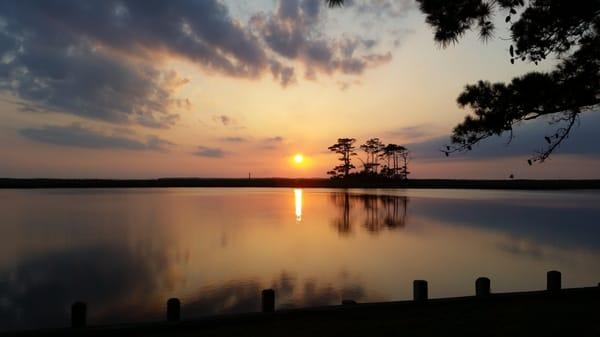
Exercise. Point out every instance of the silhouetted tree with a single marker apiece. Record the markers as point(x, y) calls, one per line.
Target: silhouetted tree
point(397, 161)
point(345, 148)
point(372, 148)
point(397, 157)
point(404, 156)
point(568, 29)
point(388, 154)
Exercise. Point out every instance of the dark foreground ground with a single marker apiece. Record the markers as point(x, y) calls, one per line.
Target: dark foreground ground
point(305, 183)
point(571, 312)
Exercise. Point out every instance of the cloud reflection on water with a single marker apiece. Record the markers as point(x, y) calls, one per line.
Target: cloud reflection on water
point(125, 251)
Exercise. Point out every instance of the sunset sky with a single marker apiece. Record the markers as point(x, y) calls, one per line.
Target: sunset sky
point(138, 89)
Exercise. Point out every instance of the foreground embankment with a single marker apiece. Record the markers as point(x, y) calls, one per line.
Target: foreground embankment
point(551, 312)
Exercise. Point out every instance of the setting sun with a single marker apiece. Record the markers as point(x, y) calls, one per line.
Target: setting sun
point(248, 157)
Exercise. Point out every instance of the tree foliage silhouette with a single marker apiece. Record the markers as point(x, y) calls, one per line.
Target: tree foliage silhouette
point(570, 30)
point(345, 148)
point(397, 161)
point(395, 155)
point(372, 148)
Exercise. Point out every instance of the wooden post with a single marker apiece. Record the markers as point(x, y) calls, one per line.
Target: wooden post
point(553, 280)
point(420, 290)
point(173, 310)
point(482, 287)
point(268, 300)
point(78, 315)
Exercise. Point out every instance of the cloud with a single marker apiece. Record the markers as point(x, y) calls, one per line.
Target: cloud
point(276, 139)
point(244, 295)
point(24, 106)
point(224, 119)
point(272, 143)
point(234, 139)
point(528, 138)
point(293, 33)
point(105, 59)
point(76, 135)
point(284, 74)
point(382, 8)
point(209, 152)
point(64, 72)
point(415, 131)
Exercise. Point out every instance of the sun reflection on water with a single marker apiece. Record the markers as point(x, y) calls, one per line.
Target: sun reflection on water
point(298, 202)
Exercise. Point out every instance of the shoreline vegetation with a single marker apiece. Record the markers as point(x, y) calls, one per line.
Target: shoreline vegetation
point(359, 182)
point(394, 166)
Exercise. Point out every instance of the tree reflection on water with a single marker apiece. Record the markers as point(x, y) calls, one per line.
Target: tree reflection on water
point(374, 212)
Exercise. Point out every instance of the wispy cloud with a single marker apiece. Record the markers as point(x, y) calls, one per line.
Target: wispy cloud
point(272, 142)
point(276, 139)
point(382, 8)
point(224, 120)
point(76, 135)
point(412, 132)
point(209, 152)
point(234, 139)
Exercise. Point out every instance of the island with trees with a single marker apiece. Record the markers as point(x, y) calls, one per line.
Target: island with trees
point(382, 162)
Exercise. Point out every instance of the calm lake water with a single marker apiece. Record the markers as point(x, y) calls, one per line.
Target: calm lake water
point(126, 251)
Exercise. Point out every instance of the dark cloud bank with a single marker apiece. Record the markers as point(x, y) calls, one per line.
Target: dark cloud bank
point(101, 59)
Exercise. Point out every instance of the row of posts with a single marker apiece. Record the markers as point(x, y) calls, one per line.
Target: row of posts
point(420, 294)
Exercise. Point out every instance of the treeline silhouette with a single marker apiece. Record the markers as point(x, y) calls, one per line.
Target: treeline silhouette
point(382, 161)
point(375, 212)
point(513, 184)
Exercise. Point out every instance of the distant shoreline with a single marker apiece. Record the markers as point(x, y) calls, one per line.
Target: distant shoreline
point(10, 183)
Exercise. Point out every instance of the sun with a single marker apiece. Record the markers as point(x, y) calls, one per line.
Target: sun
point(298, 158)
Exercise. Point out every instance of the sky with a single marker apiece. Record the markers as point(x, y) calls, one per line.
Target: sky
point(209, 88)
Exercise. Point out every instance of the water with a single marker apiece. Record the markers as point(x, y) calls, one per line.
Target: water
point(126, 251)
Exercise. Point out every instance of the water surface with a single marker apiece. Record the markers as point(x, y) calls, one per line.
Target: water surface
point(126, 251)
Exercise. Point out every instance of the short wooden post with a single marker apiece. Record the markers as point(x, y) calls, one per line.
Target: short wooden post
point(78, 315)
point(482, 287)
point(553, 280)
point(420, 290)
point(173, 310)
point(268, 300)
